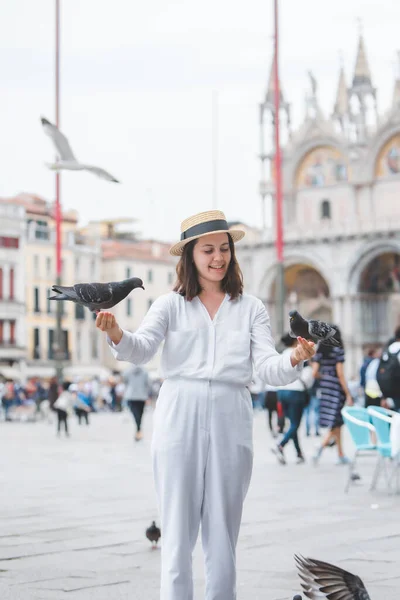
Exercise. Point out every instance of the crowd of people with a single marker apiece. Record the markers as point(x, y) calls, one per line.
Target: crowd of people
point(322, 390)
point(40, 398)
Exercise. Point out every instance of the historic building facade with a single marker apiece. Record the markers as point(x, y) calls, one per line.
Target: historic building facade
point(341, 188)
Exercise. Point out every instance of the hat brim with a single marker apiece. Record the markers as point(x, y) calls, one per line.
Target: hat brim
point(177, 249)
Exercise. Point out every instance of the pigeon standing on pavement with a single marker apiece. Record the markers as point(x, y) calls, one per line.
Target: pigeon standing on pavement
point(315, 331)
point(97, 296)
point(153, 533)
point(323, 580)
point(66, 158)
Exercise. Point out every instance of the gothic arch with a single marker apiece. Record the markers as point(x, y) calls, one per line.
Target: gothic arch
point(377, 145)
point(364, 257)
point(316, 263)
point(306, 148)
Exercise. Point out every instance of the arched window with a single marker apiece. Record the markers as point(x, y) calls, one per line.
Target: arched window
point(325, 209)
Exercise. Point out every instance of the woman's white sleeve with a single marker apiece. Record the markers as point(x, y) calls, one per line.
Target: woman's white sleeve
point(273, 368)
point(141, 346)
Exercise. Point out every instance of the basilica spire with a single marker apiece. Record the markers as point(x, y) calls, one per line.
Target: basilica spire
point(341, 108)
point(360, 94)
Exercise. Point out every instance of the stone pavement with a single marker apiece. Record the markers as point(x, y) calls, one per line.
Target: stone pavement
point(73, 514)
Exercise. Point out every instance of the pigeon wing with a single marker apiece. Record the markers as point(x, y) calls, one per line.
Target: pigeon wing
point(320, 330)
point(59, 140)
point(101, 173)
point(323, 580)
point(93, 293)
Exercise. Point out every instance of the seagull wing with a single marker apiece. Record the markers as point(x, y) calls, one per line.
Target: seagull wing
point(93, 293)
point(323, 580)
point(101, 173)
point(59, 140)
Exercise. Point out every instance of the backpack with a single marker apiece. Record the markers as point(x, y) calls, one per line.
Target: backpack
point(388, 374)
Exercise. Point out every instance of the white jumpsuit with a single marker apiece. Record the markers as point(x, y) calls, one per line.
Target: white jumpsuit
point(202, 440)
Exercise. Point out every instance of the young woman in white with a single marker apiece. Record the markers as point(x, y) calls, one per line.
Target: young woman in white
point(202, 440)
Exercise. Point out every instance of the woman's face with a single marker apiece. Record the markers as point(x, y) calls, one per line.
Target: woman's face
point(212, 256)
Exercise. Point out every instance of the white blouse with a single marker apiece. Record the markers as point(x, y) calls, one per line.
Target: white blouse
point(224, 349)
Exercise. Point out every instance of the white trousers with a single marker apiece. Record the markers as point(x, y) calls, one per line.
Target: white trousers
point(202, 461)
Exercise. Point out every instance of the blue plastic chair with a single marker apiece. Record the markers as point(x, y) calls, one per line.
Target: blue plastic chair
point(381, 419)
point(358, 422)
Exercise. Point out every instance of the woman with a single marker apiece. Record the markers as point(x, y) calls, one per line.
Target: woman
point(293, 398)
point(333, 392)
point(202, 439)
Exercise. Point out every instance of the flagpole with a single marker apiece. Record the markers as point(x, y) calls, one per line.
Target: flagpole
point(280, 282)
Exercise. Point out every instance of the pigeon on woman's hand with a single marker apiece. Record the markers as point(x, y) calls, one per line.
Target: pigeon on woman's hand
point(97, 296)
point(323, 580)
point(316, 331)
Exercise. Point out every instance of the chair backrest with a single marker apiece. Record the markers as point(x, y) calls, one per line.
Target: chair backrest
point(381, 421)
point(358, 423)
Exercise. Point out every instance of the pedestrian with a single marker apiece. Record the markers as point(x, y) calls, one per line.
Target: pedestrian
point(328, 368)
point(293, 398)
point(137, 391)
point(63, 407)
point(202, 448)
point(271, 405)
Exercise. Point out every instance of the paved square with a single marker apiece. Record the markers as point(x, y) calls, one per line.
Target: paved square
point(73, 514)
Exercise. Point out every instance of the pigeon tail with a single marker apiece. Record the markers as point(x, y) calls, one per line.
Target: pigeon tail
point(58, 297)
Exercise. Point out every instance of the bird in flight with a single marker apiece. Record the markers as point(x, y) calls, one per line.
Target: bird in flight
point(323, 580)
point(66, 159)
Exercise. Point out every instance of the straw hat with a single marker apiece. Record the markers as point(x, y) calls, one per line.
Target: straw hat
point(204, 223)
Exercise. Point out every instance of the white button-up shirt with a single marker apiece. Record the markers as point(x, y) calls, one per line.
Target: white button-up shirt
point(222, 349)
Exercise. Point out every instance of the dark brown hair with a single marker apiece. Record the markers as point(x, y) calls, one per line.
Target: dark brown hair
point(188, 285)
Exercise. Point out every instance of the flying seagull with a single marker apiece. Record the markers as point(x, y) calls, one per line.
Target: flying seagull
point(66, 158)
point(323, 580)
point(97, 296)
point(315, 331)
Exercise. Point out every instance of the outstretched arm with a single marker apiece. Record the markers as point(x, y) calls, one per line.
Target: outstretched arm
point(138, 347)
point(274, 368)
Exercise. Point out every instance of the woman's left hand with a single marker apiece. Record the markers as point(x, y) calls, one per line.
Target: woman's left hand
point(303, 351)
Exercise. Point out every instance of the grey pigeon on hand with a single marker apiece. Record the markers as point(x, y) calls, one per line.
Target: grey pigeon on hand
point(315, 331)
point(97, 296)
point(66, 159)
point(323, 580)
point(153, 533)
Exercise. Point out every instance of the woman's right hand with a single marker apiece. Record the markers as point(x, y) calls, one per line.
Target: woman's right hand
point(106, 321)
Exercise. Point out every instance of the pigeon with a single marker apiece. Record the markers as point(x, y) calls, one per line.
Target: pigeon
point(153, 533)
point(66, 159)
point(97, 296)
point(297, 597)
point(316, 331)
point(322, 580)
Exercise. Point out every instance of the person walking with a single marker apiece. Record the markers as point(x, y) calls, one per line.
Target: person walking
point(202, 448)
point(63, 407)
point(328, 368)
point(136, 392)
point(294, 399)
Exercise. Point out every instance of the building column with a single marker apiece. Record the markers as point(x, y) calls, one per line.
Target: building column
point(6, 281)
point(6, 331)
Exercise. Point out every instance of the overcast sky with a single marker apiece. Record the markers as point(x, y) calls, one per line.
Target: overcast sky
point(137, 81)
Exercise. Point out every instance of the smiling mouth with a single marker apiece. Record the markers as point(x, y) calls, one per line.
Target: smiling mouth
point(219, 268)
